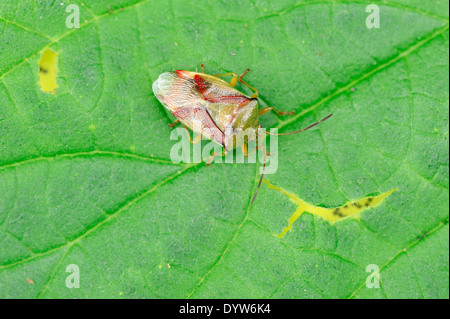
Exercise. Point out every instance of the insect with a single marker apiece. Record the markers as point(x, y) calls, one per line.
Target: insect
point(215, 109)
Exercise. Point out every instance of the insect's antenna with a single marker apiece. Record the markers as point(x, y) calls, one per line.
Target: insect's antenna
point(303, 129)
point(262, 174)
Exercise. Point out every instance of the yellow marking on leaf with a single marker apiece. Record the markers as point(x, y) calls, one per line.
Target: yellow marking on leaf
point(331, 214)
point(48, 71)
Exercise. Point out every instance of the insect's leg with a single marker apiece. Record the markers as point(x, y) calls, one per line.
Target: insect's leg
point(264, 150)
point(211, 158)
point(234, 78)
point(260, 147)
point(256, 93)
point(244, 150)
point(174, 123)
point(214, 154)
point(268, 109)
point(197, 139)
point(244, 73)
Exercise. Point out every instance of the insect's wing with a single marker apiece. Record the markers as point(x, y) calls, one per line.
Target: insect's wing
point(180, 94)
point(225, 103)
point(176, 93)
point(200, 121)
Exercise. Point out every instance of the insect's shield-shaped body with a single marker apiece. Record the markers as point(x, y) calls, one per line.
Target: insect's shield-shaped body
point(215, 109)
point(209, 106)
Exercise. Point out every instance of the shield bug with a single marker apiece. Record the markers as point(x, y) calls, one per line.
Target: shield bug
point(214, 108)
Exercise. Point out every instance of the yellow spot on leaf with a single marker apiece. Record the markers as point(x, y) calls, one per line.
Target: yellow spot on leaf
point(48, 71)
point(331, 214)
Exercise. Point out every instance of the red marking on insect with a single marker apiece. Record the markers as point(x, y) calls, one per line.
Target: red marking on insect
point(215, 109)
point(200, 113)
point(201, 83)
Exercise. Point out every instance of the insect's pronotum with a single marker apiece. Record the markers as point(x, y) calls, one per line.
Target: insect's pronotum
point(213, 108)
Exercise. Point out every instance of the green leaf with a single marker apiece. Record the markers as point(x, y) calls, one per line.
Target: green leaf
point(86, 176)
